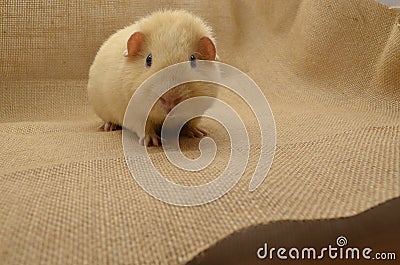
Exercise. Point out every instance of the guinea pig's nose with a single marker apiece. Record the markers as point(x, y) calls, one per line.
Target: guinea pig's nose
point(169, 102)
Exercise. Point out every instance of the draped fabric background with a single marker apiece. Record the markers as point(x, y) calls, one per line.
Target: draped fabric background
point(329, 69)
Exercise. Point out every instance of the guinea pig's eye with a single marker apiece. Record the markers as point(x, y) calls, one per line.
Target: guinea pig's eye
point(149, 60)
point(192, 60)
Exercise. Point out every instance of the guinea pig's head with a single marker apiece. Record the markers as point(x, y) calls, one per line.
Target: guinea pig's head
point(166, 38)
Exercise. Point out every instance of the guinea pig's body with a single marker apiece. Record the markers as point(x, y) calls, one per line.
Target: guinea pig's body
point(136, 52)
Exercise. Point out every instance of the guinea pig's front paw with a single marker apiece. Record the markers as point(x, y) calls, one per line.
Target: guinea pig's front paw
point(150, 139)
point(108, 127)
point(193, 131)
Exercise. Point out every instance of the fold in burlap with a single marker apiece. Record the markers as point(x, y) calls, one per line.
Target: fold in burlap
point(329, 69)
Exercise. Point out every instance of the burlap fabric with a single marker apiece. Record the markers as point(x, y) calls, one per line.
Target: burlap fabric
point(329, 69)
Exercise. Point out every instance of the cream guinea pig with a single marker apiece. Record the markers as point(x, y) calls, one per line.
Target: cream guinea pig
point(134, 53)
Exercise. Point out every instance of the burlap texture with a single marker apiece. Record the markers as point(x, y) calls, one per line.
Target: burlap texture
point(329, 69)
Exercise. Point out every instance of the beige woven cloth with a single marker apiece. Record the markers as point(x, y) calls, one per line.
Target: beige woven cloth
point(329, 69)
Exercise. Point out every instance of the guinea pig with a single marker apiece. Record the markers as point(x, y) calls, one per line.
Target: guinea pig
point(134, 53)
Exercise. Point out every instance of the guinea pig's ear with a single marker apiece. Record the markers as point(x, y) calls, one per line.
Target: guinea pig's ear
point(134, 44)
point(207, 49)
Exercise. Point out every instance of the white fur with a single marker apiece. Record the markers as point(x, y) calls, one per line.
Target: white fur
point(171, 37)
